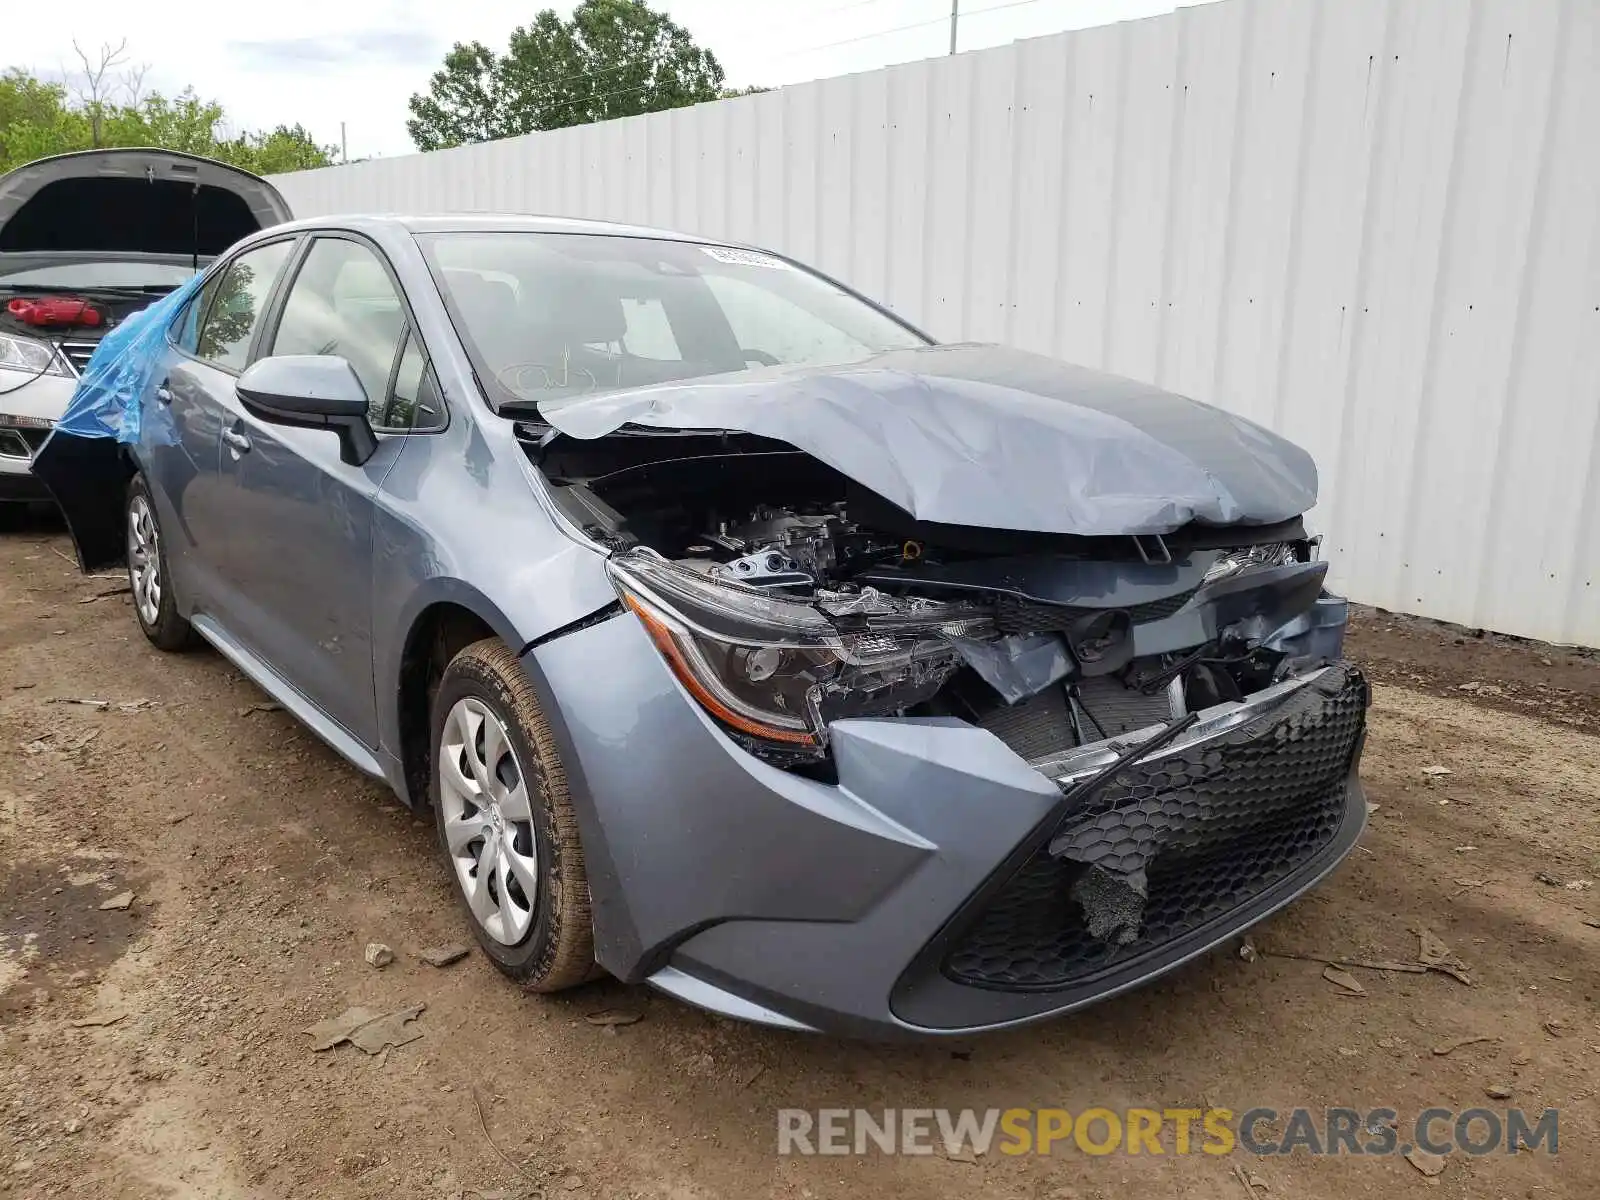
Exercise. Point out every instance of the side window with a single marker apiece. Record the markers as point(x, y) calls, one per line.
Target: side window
point(232, 304)
point(414, 405)
point(342, 302)
point(184, 332)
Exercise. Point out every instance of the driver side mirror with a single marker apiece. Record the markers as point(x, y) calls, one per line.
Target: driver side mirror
point(312, 391)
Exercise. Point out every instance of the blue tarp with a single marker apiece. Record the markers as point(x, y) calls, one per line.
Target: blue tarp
point(110, 399)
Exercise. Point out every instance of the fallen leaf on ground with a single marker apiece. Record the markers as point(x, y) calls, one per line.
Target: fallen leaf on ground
point(1449, 1047)
point(100, 1019)
point(117, 903)
point(1344, 980)
point(367, 1029)
point(613, 1017)
point(391, 1029)
point(325, 1035)
point(1437, 956)
point(97, 705)
point(1435, 771)
point(965, 1157)
point(1498, 1091)
point(1429, 1164)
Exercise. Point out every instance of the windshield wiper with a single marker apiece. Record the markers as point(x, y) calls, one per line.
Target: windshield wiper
point(147, 289)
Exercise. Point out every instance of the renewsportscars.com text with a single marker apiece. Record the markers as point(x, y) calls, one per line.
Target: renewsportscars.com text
point(1179, 1131)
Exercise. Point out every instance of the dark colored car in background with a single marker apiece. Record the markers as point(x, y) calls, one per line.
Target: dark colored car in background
point(742, 640)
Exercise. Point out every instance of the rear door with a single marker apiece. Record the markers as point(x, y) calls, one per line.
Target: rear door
point(211, 338)
point(306, 569)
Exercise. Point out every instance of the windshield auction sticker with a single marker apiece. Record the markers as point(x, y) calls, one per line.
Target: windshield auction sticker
point(745, 258)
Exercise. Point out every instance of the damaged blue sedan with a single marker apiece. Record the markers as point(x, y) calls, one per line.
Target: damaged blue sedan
point(742, 640)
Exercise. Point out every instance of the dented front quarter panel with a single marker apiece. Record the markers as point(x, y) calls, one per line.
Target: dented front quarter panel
point(461, 521)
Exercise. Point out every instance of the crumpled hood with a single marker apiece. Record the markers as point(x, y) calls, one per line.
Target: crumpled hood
point(993, 437)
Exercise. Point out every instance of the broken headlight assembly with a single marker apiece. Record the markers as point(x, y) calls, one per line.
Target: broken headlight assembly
point(776, 669)
point(1272, 554)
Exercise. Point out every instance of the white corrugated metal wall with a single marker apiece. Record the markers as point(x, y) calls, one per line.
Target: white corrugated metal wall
point(1373, 225)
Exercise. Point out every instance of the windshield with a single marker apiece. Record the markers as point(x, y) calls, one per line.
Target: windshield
point(555, 316)
point(119, 274)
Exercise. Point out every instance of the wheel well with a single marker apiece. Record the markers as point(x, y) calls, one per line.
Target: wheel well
point(440, 632)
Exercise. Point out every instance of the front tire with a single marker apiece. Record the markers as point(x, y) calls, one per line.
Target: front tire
point(506, 824)
point(153, 601)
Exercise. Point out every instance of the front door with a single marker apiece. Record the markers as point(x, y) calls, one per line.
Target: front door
point(306, 566)
point(192, 405)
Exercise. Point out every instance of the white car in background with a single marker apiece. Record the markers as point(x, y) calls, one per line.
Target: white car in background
point(86, 240)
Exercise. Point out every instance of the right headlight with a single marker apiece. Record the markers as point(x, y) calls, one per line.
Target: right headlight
point(777, 669)
point(1272, 554)
point(30, 355)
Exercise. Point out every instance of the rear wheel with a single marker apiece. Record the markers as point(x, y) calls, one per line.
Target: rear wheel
point(506, 825)
point(153, 601)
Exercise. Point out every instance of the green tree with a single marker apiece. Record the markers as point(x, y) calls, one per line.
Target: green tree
point(185, 123)
point(613, 58)
point(35, 120)
point(286, 148)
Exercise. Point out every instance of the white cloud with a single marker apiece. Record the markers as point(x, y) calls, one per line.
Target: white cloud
point(319, 63)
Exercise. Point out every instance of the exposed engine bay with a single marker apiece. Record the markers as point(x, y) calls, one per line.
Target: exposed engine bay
point(789, 596)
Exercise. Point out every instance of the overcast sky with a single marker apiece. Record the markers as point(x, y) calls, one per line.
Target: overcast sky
point(320, 62)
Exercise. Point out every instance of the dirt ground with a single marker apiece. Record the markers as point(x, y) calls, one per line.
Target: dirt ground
point(261, 866)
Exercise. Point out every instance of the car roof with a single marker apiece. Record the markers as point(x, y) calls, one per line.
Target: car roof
point(484, 223)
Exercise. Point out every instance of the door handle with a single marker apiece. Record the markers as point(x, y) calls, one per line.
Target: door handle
point(237, 442)
point(164, 394)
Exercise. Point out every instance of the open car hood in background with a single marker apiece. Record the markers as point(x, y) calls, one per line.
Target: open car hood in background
point(991, 437)
point(133, 201)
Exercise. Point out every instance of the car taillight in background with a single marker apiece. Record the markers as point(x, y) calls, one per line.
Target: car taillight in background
point(55, 312)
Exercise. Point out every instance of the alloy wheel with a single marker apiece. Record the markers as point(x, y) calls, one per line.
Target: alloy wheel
point(144, 560)
point(488, 821)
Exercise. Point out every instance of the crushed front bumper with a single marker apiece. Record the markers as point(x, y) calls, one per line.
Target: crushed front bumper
point(916, 895)
point(1254, 805)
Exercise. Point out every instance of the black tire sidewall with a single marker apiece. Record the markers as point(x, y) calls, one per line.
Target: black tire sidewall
point(469, 677)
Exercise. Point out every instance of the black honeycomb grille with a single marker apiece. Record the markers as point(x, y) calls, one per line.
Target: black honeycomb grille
point(1013, 615)
point(1213, 827)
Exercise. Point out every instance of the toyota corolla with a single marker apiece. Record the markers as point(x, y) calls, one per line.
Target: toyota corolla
point(741, 639)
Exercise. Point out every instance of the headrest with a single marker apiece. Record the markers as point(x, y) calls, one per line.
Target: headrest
point(480, 297)
point(585, 314)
